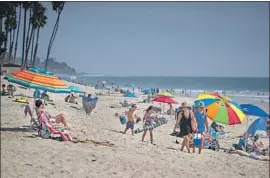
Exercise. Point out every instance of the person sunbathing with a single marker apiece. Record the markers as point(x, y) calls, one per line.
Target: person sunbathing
point(67, 98)
point(170, 110)
point(44, 95)
point(54, 121)
point(11, 89)
point(259, 146)
point(217, 127)
point(4, 91)
point(125, 104)
point(72, 99)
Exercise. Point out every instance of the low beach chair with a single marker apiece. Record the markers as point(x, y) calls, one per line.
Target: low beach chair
point(46, 131)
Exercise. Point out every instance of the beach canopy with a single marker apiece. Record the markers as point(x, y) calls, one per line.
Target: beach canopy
point(130, 95)
point(252, 110)
point(39, 81)
point(165, 94)
point(147, 91)
point(221, 109)
point(164, 99)
point(76, 89)
point(259, 124)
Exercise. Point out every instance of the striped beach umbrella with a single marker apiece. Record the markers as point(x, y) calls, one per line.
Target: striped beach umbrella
point(39, 81)
point(221, 109)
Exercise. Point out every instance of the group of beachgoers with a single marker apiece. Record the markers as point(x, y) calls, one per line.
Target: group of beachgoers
point(190, 122)
point(193, 124)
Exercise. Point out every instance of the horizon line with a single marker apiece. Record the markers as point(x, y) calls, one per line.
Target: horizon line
point(97, 75)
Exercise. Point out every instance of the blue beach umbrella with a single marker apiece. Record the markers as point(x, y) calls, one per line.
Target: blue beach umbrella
point(130, 95)
point(252, 110)
point(146, 91)
point(258, 125)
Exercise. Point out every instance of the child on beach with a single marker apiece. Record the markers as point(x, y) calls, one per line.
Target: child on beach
point(132, 118)
point(148, 122)
point(191, 143)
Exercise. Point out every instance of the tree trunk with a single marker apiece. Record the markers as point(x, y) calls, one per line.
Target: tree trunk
point(17, 35)
point(10, 43)
point(5, 46)
point(1, 26)
point(23, 45)
point(27, 39)
point(36, 49)
point(28, 47)
point(32, 48)
point(51, 39)
point(1, 56)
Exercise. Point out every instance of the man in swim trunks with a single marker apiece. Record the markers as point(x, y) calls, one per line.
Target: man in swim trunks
point(202, 122)
point(131, 117)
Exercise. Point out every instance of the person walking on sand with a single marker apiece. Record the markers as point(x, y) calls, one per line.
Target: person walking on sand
point(202, 122)
point(148, 122)
point(187, 125)
point(132, 118)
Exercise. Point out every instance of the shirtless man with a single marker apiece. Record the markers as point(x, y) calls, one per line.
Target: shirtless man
point(132, 117)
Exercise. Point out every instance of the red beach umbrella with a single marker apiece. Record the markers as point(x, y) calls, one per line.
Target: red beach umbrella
point(164, 99)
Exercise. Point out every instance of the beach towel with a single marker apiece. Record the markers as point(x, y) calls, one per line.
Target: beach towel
point(89, 105)
point(46, 130)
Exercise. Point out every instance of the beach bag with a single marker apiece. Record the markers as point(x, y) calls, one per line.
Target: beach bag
point(123, 120)
point(197, 139)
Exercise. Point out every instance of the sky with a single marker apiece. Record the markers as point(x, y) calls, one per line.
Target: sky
point(220, 39)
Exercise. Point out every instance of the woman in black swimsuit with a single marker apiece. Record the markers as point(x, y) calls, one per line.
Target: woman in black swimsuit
point(187, 125)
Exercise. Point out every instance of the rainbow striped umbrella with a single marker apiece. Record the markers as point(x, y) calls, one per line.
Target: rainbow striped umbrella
point(221, 109)
point(39, 81)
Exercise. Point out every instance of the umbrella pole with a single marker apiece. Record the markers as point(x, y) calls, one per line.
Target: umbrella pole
point(246, 141)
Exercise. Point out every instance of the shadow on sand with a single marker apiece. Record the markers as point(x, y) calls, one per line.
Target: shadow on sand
point(17, 129)
point(74, 107)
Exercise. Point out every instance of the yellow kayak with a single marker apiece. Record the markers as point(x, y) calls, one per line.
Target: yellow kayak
point(21, 100)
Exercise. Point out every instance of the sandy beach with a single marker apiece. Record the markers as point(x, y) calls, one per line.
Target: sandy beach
point(24, 154)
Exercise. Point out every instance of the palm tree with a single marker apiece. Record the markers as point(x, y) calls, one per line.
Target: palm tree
point(58, 6)
point(32, 47)
point(26, 6)
point(12, 28)
point(18, 30)
point(10, 25)
point(41, 22)
point(4, 8)
point(33, 21)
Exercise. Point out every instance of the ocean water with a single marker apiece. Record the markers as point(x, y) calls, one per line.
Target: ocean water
point(245, 88)
point(193, 83)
